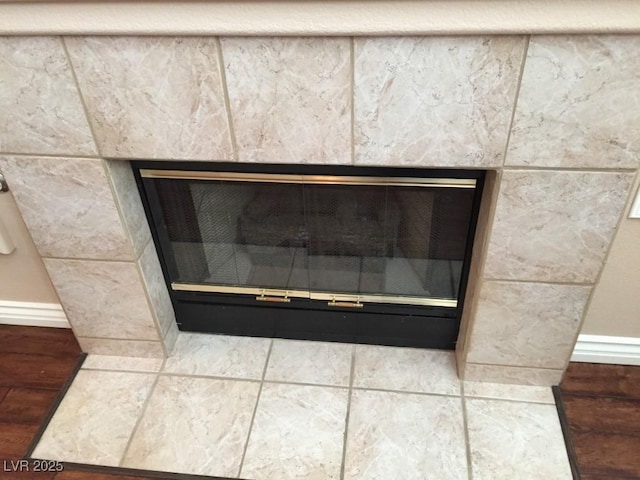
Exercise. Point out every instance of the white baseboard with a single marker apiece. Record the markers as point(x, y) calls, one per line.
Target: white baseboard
point(607, 349)
point(33, 314)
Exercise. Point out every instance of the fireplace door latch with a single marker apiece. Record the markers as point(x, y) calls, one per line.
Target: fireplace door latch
point(4, 186)
point(345, 303)
point(274, 297)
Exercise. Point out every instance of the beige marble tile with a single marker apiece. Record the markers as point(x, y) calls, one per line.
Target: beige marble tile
point(408, 436)
point(504, 391)
point(554, 225)
point(96, 418)
point(68, 207)
point(153, 97)
point(290, 98)
point(513, 375)
point(41, 111)
point(124, 364)
point(103, 299)
point(122, 348)
point(203, 428)
point(310, 362)
point(579, 101)
point(298, 432)
point(526, 324)
point(515, 440)
point(156, 288)
point(218, 355)
point(408, 369)
point(129, 203)
point(434, 101)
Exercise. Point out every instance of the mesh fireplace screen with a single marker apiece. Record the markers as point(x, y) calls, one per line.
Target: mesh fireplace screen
point(379, 238)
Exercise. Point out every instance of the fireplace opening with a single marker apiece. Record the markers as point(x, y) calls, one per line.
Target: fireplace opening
point(351, 254)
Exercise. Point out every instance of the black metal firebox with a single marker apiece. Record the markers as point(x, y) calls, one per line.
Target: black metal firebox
point(351, 254)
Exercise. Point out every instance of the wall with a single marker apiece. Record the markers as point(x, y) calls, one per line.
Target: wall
point(23, 277)
point(26, 294)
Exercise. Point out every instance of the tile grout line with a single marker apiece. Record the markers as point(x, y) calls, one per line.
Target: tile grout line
point(121, 340)
point(542, 282)
point(70, 259)
point(553, 369)
point(343, 464)
point(560, 168)
point(255, 409)
point(53, 155)
point(338, 387)
point(211, 377)
point(509, 400)
point(525, 52)
point(115, 370)
point(227, 102)
point(352, 79)
point(81, 96)
point(465, 422)
point(142, 412)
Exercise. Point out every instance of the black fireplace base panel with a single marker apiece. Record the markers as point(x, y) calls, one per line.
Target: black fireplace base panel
point(274, 321)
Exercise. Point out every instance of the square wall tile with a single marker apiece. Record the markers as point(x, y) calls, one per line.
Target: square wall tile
point(203, 428)
point(402, 435)
point(68, 207)
point(290, 98)
point(526, 324)
point(218, 356)
point(579, 103)
point(156, 288)
point(554, 225)
point(41, 111)
point(96, 418)
point(153, 97)
point(129, 203)
point(310, 362)
point(515, 440)
point(434, 101)
point(103, 299)
point(407, 369)
point(298, 432)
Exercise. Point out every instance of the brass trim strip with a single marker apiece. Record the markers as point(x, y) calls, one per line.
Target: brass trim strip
point(310, 179)
point(370, 298)
point(337, 297)
point(199, 287)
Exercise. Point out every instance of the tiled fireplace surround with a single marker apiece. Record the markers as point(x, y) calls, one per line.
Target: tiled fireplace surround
point(555, 119)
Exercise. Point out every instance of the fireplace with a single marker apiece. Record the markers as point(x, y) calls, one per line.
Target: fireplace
point(366, 255)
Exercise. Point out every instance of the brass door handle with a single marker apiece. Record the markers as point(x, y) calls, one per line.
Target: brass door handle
point(263, 298)
point(344, 303)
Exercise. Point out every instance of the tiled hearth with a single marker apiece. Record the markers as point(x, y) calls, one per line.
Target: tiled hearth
point(262, 409)
point(551, 117)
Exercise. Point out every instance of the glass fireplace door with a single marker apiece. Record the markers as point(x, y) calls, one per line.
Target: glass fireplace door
point(331, 238)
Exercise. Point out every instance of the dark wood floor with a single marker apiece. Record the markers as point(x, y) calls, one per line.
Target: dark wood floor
point(35, 364)
point(601, 404)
